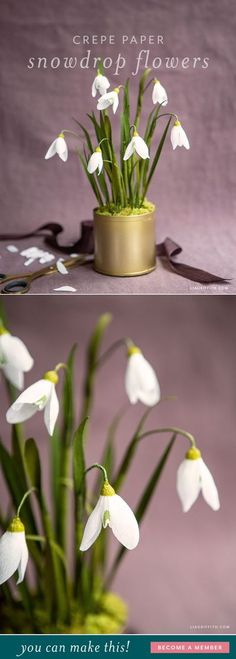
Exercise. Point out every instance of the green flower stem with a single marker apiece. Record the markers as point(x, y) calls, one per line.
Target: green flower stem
point(98, 466)
point(114, 346)
point(32, 489)
point(176, 431)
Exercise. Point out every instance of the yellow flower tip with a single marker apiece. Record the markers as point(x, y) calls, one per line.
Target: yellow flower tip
point(133, 350)
point(117, 90)
point(98, 150)
point(51, 376)
point(61, 135)
point(193, 453)
point(107, 490)
point(16, 526)
point(3, 330)
point(156, 82)
point(135, 133)
point(177, 123)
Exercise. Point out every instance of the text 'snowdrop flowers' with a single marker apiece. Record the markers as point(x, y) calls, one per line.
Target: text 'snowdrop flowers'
point(193, 477)
point(159, 94)
point(109, 99)
point(111, 510)
point(100, 85)
point(13, 551)
point(40, 396)
point(59, 147)
point(138, 146)
point(15, 359)
point(141, 382)
point(178, 136)
point(95, 161)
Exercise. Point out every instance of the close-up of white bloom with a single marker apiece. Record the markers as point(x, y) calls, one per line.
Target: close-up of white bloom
point(178, 136)
point(100, 85)
point(137, 145)
point(141, 382)
point(95, 161)
point(39, 396)
point(193, 477)
point(159, 94)
point(58, 146)
point(15, 359)
point(13, 552)
point(111, 510)
point(110, 99)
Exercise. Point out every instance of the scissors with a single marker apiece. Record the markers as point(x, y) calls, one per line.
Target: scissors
point(18, 284)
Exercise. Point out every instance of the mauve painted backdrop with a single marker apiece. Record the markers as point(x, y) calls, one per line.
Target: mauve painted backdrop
point(183, 571)
point(194, 191)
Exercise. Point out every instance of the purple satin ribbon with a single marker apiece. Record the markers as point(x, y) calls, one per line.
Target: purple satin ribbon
point(168, 250)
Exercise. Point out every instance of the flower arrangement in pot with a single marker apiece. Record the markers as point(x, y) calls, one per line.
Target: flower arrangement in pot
point(51, 513)
point(124, 219)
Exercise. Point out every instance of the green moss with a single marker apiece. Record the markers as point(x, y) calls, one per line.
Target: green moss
point(147, 207)
point(109, 616)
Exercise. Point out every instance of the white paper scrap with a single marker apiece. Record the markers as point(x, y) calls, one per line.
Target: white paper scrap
point(12, 248)
point(61, 267)
point(66, 289)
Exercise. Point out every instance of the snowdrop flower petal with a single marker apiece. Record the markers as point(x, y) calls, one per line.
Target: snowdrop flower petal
point(129, 151)
point(52, 150)
point(193, 476)
point(51, 411)
point(111, 98)
point(188, 483)
point(178, 136)
point(209, 489)
point(13, 552)
point(141, 147)
point(95, 161)
point(93, 526)
point(34, 398)
point(159, 94)
point(58, 146)
point(123, 522)
point(111, 510)
point(141, 382)
point(14, 376)
point(15, 359)
point(16, 352)
point(23, 563)
point(39, 396)
point(100, 84)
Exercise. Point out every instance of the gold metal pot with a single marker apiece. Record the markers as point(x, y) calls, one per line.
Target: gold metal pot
point(124, 245)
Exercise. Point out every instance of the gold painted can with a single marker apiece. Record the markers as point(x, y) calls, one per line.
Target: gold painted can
point(125, 246)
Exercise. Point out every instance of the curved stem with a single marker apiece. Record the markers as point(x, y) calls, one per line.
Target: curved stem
point(111, 349)
point(177, 431)
point(98, 466)
point(71, 132)
point(59, 366)
point(32, 489)
point(167, 114)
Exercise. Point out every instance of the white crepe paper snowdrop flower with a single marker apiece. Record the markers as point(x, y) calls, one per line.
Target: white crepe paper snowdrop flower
point(193, 477)
point(100, 84)
point(178, 136)
point(13, 552)
point(159, 94)
point(109, 99)
point(111, 510)
point(15, 359)
point(141, 382)
point(58, 147)
point(95, 161)
point(39, 396)
point(138, 146)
